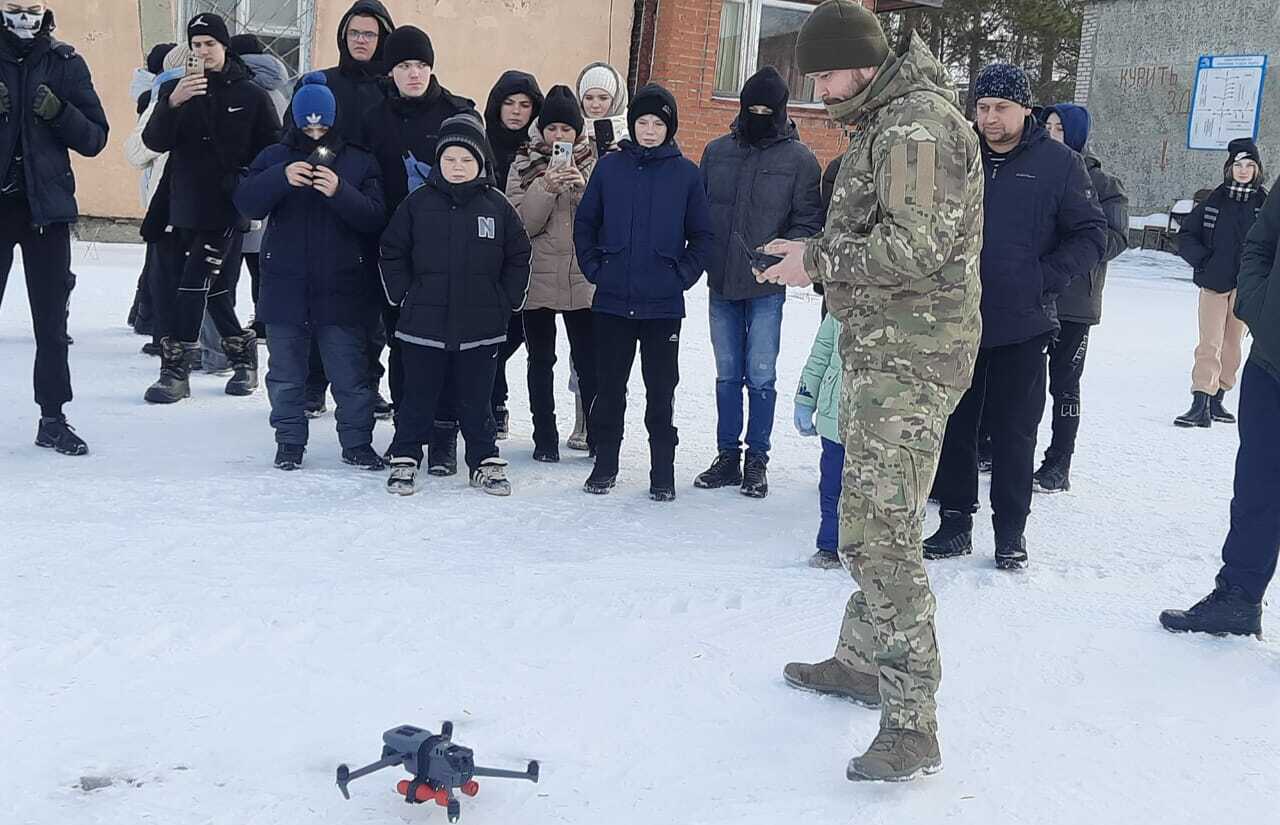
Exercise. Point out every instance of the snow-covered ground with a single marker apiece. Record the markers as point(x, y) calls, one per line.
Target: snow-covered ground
point(215, 636)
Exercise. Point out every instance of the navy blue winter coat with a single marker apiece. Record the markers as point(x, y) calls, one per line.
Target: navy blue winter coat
point(319, 254)
point(643, 232)
point(81, 126)
point(1042, 226)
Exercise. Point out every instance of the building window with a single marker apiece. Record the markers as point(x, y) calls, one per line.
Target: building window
point(757, 33)
point(284, 26)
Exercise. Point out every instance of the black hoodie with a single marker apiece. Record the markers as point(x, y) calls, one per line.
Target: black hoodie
point(507, 143)
point(356, 86)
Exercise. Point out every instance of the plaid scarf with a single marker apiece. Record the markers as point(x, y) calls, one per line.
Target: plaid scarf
point(532, 164)
point(1241, 191)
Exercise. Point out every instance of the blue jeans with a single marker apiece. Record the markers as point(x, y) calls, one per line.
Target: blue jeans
point(1253, 544)
point(830, 482)
point(746, 336)
point(343, 352)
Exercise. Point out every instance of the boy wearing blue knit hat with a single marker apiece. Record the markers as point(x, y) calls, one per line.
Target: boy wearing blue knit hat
point(325, 203)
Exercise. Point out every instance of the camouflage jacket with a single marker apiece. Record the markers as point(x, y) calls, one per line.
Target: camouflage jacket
point(899, 255)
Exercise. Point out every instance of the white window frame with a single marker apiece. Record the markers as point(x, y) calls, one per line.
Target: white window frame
point(751, 36)
point(304, 30)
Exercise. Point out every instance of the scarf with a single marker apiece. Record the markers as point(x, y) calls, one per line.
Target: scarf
point(533, 164)
point(1241, 191)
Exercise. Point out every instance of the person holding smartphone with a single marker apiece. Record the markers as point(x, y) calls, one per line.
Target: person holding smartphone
point(213, 123)
point(545, 185)
point(602, 91)
point(762, 183)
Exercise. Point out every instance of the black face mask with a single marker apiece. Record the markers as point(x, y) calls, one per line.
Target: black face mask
point(758, 127)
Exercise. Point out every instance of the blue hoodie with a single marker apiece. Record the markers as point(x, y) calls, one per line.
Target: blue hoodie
point(1075, 123)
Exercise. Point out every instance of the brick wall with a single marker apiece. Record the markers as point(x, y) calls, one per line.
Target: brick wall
point(685, 42)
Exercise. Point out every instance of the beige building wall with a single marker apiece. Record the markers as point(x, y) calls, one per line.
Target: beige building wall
point(475, 41)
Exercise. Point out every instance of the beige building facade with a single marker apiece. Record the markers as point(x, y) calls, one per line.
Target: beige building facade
point(475, 41)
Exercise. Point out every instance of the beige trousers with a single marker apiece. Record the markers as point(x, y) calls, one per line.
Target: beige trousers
point(1218, 356)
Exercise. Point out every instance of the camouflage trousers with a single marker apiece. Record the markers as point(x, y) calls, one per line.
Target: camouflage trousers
point(892, 428)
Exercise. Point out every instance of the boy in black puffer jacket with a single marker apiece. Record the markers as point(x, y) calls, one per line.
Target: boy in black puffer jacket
point(324, 200)
point(455, 262)
point(1211, 240)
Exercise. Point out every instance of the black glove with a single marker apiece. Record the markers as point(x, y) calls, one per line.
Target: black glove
point(46, 104)
point(4, 99)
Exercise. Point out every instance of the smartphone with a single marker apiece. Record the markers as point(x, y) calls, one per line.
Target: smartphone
point(322, 156)
point(561, 156)
point(604, 134)
point(760, 261)
point(195, 64)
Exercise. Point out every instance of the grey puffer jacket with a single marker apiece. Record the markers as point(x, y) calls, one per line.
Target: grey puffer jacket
point(760, 192)
point(1081, 301)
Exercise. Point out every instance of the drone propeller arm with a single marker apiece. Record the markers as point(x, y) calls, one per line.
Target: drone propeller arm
point(530, 774)
point(345, 774)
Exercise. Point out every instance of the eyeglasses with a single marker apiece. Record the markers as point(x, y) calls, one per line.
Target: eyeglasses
point(362, 37)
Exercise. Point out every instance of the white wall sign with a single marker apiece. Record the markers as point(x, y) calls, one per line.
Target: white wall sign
point(1225, 100)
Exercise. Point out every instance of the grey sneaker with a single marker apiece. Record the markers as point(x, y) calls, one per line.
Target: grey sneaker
point(834, 679)
point(896, 755)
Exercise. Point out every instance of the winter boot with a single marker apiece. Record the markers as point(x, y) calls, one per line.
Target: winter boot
point(604, 475)
point(242, 356)
point(578, 438)
point(503, 420)
point(1054, 475)
point(1225, 611)
point(755, 480)
point(826, 560)
point(173, 386)
point(1011, 553)
point(314, 403)
point(382, 410)
point(725, 471)
point(835, 678)
point(1218, 412)
point(547, 455)
point(56, 434)
point(442, 450)
point(404, 477)
point(289, 456)
point(896, 755)
point(363, 457)
point(662, 471)
point(954, 537)
point(491, 477)
point(151, 348)
point(1199, 414)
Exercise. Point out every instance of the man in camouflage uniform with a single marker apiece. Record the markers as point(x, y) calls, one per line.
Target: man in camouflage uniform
point(898, 259)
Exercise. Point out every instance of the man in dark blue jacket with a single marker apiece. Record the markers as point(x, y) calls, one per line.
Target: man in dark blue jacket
point(323, 197)
point(1042, 226)
point(1253, 543)
point(643, 235)
point(762, 183)
point(47, 107)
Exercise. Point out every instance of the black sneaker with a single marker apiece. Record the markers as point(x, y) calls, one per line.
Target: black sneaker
point(547, 455)
point(151, 348)
point(1227, 611)
point(382, 409)
point(363, 457)
point(662, 493)
point(954, 537)
point(1054, 475)
point(1011, 553)
point(56, 434)
point(600, 483)
point(755, 479)
point(725, 471)
point(289, 456)
point(442, 451)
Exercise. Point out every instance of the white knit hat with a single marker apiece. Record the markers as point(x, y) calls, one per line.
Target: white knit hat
point(598, 77)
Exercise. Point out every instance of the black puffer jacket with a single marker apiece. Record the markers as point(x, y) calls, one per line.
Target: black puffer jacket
point(507, 143)
point(81, 126)
point(1258, 289)
point(1212, 237)
point(1081, 301)
point(455, 259)
point(211, 139)
point(356, 86)
point(402, 133)
point(760, 192)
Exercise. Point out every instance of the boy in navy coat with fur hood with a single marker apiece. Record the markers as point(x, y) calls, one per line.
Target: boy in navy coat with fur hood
point(324, 200)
